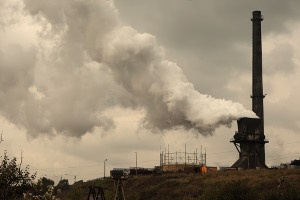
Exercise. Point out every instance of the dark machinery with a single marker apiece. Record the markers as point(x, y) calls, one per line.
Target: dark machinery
point(117, 175)
point(250, 138)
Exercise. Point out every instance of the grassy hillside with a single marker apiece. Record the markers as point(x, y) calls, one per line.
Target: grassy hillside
point(248, 184)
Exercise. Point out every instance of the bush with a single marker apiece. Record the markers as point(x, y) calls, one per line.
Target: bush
point(48, 195)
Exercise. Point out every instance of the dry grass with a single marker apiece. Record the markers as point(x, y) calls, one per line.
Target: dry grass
point(261, 184)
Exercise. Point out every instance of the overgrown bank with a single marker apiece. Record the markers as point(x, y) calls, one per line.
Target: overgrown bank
point(250, 184)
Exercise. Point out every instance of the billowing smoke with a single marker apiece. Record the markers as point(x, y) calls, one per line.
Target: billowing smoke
point(64, 63)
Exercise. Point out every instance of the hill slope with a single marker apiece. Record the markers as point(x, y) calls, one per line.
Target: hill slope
point(250, 184)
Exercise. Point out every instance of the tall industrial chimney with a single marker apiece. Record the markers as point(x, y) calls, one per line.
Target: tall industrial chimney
point(249, 140)
point(257, 80)
point(257, 84)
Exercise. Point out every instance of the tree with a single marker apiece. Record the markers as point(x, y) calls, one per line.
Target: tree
point(43, 184)
point(14, 181)
point(63, 184)
point(42, 190)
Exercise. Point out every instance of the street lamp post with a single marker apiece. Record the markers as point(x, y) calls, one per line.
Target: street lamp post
point(136, 163)
point(104, 167)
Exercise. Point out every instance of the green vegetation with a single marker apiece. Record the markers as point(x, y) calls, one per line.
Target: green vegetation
point(244, 185)
point(17, 183)
point(229, 190)
point(14, 180)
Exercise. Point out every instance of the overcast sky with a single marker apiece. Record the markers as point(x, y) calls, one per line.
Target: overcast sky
point(85, 81)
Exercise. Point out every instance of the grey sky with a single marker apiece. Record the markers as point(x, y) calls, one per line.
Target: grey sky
point(209, 40)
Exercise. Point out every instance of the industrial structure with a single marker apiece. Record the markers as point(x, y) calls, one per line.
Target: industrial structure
point(250, 140)
point(180, 161)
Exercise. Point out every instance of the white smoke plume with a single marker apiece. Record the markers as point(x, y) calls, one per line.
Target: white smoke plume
point(63, 63)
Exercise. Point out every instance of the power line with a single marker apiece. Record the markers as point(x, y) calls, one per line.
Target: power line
point(69, 167)
point(87, 166)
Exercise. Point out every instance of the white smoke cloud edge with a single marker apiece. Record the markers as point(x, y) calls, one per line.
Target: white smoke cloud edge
point(80, 61)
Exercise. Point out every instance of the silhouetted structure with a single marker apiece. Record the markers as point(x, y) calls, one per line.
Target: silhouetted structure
point(117, 175)
point(296, 162)
point(96, 193)
point(250, 138)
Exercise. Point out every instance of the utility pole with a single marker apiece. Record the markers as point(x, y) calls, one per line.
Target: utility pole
point(184, 154)
point(104, 166)
point(1, 138)
point(136, 163)
point(21, 159)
